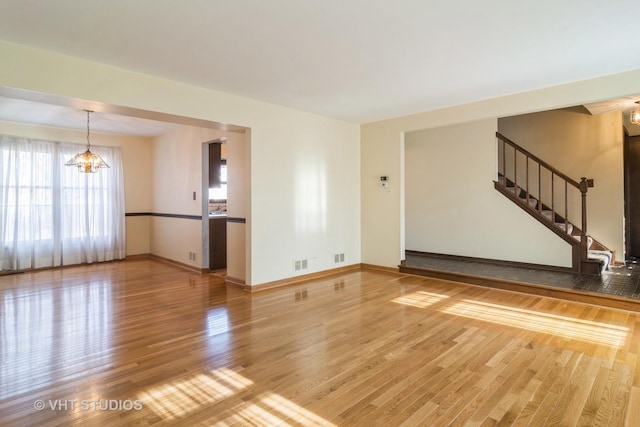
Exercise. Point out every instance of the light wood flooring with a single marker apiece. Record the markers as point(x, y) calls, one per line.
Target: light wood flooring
point(144, 343)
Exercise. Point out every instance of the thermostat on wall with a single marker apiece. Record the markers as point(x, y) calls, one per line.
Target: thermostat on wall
point(384, 182)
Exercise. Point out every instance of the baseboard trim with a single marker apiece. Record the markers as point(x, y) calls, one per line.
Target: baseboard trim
point(57, 267)
point(490, 261)
point(138, 257)
point(232, 281)
point(610, 301)
point(300, 279)
point(235, 282)
point(375, 267)
point(179, 264)
point(11, 272)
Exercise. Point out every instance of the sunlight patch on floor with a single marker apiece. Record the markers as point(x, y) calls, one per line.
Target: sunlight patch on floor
point(419, 299)
point(178, 398)
point(564, 326)
point(269, 409)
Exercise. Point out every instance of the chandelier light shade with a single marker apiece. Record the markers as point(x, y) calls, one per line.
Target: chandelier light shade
point(87, 162)
point(635, 117)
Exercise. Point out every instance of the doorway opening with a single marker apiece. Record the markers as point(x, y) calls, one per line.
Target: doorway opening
point(631, 160)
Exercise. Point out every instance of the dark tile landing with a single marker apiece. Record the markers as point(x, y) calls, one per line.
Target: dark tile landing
point(623, 281)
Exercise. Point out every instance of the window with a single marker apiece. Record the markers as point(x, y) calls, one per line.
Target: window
point(53, 215)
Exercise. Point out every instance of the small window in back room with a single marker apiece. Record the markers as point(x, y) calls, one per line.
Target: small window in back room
point(220, 194)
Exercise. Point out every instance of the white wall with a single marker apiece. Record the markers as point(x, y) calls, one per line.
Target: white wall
point(382, 146)
point(452, 206)
point(136, 158)
point(286, 145)
point(305, 202)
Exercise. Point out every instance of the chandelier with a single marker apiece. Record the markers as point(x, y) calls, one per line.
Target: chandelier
point(87, 162)
point(634, 116)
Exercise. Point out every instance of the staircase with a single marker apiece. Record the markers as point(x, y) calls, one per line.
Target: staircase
point(554, 199)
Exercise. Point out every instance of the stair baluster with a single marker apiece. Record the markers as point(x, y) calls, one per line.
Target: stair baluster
point(553, 199)
point(566, 208)
point(539, 186)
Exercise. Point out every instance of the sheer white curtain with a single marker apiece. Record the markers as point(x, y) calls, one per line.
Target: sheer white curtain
point(53, 215)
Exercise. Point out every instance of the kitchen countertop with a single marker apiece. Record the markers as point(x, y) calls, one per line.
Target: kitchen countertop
point(217, 215)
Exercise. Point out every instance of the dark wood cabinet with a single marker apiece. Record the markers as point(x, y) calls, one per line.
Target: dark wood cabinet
point(215, 157)
point(217, 243)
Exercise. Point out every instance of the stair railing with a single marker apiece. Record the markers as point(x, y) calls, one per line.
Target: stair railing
point(545, 194)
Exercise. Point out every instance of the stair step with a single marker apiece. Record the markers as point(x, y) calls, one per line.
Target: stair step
point(568, 228)
point(533, 202)
point(578, 238)
point(604, 257)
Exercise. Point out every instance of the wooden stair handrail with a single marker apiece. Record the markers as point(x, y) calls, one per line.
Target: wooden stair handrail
point(539, 160)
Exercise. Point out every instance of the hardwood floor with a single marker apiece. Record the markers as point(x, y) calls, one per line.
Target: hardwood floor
point(145, 343)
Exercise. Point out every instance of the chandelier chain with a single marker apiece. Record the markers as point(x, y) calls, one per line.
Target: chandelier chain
point(88, 142)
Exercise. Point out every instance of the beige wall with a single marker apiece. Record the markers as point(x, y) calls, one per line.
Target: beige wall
point(177, 170)
point(451, 206)
point(177, 174)
point(382, 145)
point(136, 158)
point(580, 144)
point(174, 238)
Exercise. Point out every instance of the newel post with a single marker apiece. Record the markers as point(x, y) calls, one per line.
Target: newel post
point(584, 184)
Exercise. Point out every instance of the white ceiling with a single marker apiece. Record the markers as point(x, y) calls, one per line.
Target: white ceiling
point(358, 60)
